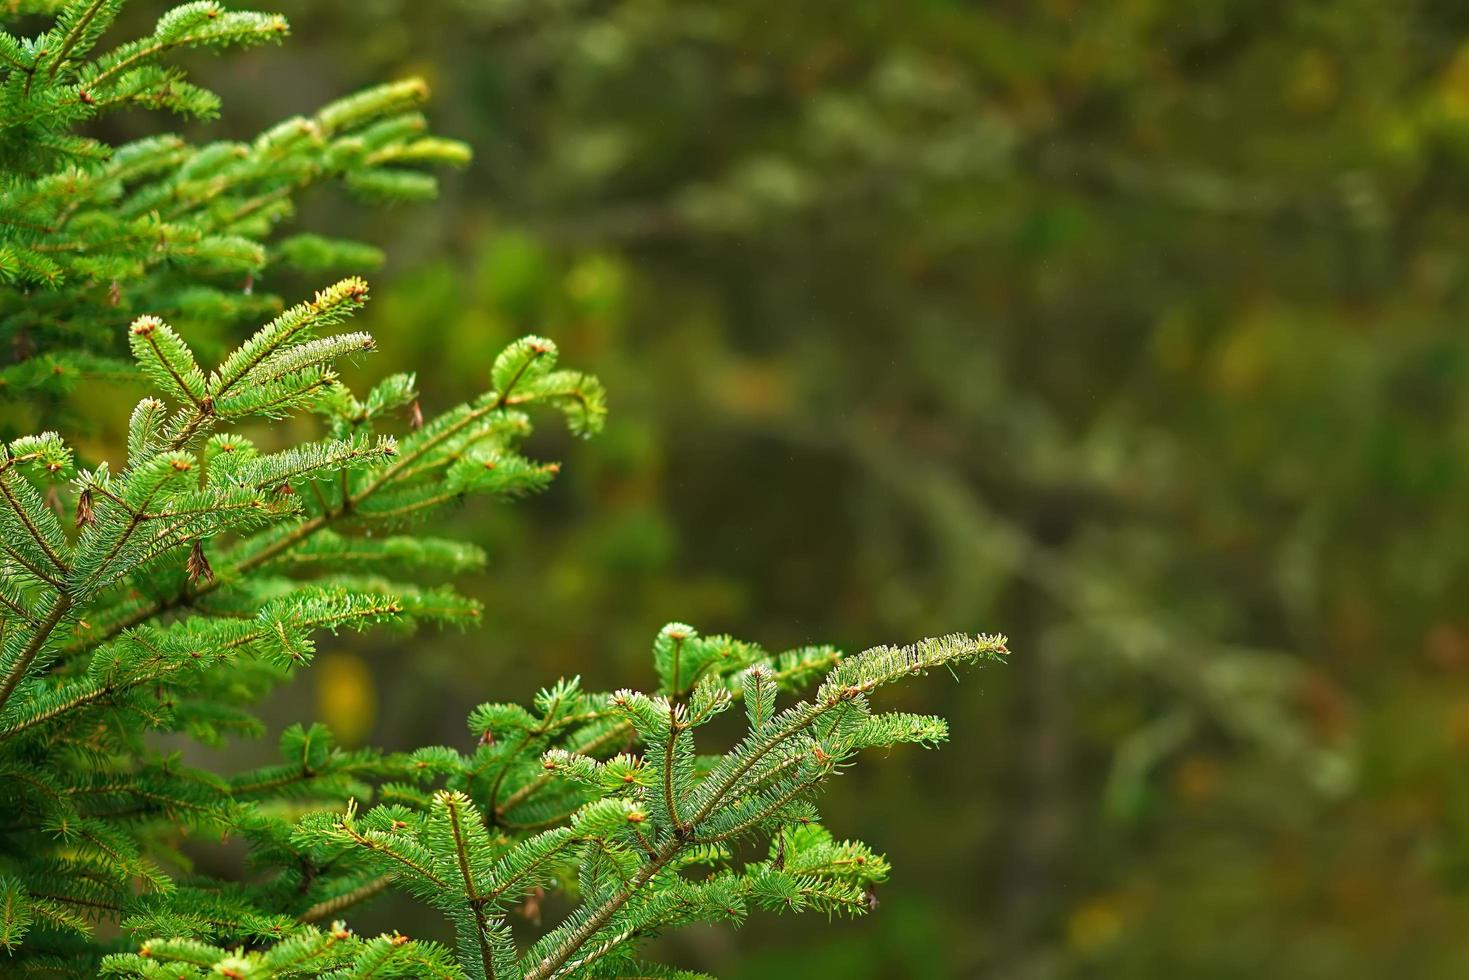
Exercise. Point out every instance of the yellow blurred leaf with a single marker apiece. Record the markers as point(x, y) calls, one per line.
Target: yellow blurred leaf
point(1242, 358)
point(1454, 84)
point(346, 696)
point(1314, 84)
point(1095, 924)
point(754, 390)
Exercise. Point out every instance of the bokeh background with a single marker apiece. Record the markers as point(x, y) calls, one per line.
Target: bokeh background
point(1136, 330)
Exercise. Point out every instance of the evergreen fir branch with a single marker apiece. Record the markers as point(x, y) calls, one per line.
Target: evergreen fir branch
point(462, 426)
point(158, 225)
point(15, 912)
point(328, 307)
point(327, 908)
point(327, 550)
point(638, 819)
point(200, 24)
point(18, 663)
point(313, 460)
point(332, 953)
point(166, 359)
point(80, 26)
point(89, 689)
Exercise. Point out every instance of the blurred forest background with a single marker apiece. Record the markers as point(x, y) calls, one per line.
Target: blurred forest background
point(1135, 330)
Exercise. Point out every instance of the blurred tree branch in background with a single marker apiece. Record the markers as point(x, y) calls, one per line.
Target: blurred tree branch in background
point(1141, 323)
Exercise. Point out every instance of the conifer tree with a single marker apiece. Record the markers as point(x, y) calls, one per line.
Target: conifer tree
point(168, 585)
point(95, 234)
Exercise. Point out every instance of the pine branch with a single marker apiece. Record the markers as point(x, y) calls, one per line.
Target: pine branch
point(90, 228)
point(634, 821)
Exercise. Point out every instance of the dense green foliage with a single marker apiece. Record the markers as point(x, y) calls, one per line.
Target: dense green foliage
point(172, 608)
point(624, 835)
point(94, 234)
point(153, 593)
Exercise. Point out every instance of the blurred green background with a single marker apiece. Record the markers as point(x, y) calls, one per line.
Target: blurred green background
point(1135, 330)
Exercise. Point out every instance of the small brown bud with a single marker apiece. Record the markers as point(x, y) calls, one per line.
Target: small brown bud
point(415, 416)
point(86, 516)
point(198, 564)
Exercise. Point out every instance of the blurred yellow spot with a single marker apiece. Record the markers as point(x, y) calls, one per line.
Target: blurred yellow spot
point(753, 390)
point(1196, 780)
point(1454, 85)
point(1095, 924)
point(1456, 724)
point(1313, 85)
point(1242, 357)
point(346, 696)
point(596, 284)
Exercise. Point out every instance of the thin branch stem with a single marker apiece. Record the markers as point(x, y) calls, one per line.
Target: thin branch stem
point(43, 632)
point(327, 908)
point(553, 962)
